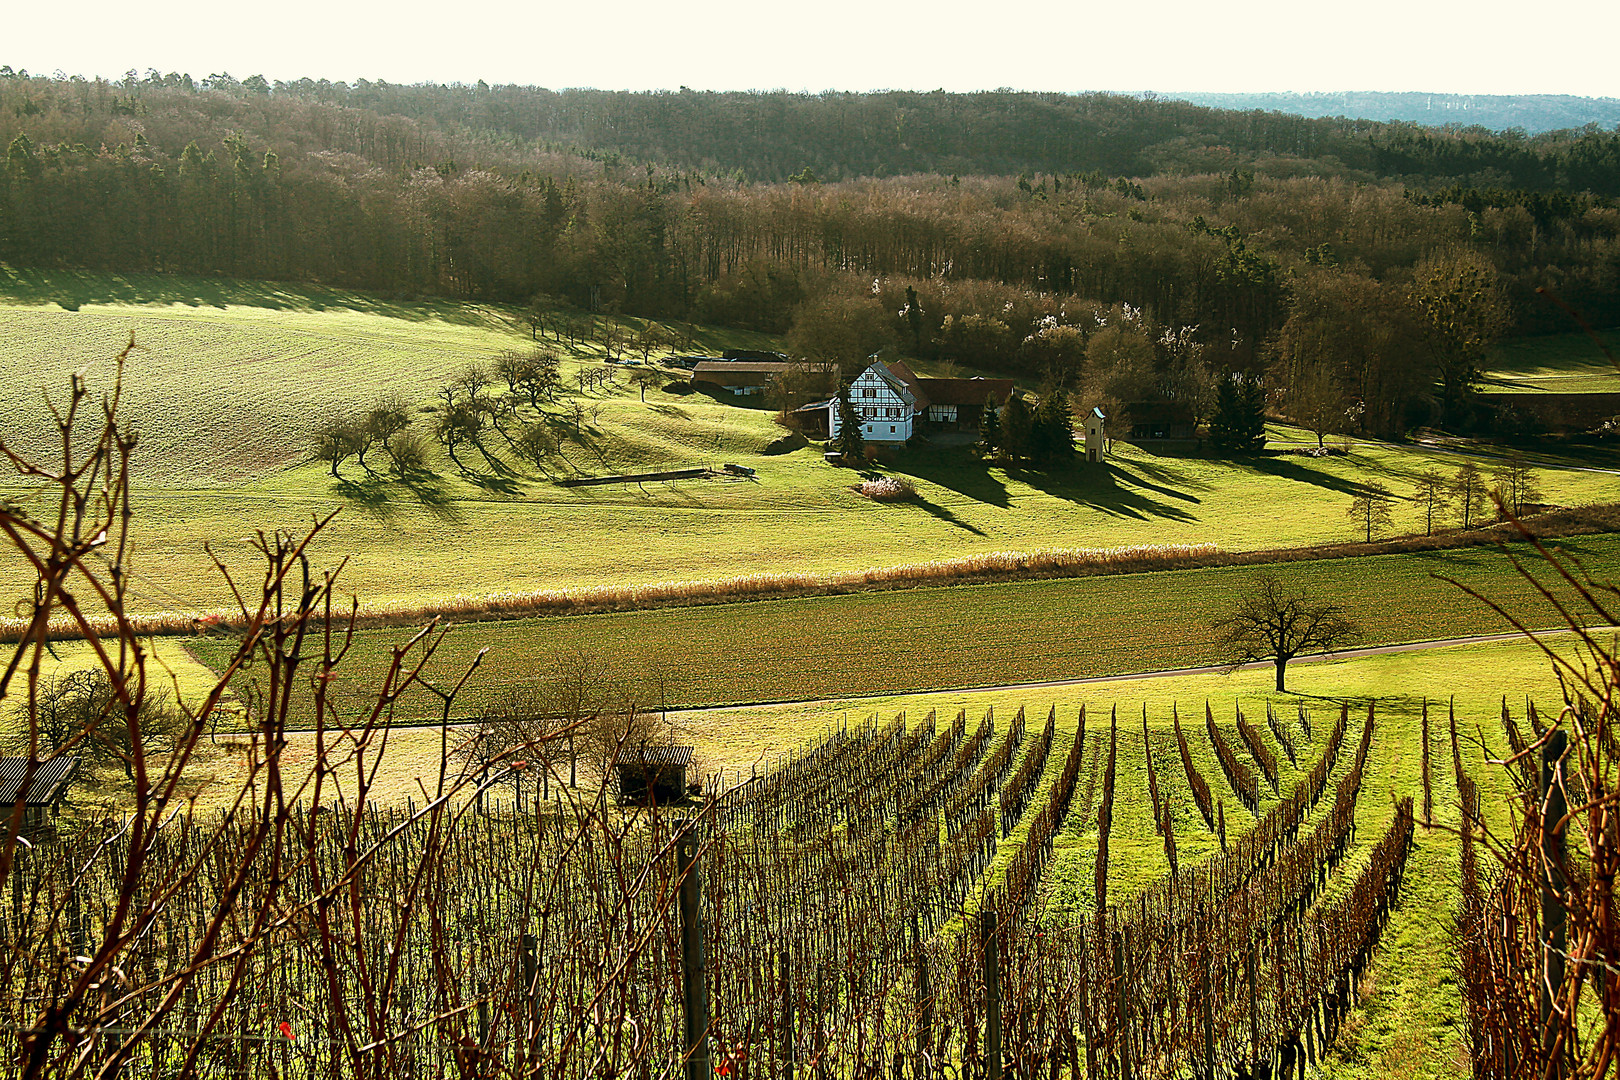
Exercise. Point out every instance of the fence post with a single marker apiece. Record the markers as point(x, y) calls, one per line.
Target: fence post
point(1553, 809)
point(693, 986)
point(992, 995)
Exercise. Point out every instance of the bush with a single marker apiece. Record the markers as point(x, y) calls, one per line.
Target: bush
point(889, 489)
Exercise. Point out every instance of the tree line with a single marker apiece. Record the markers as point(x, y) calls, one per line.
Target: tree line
point(1137, 276)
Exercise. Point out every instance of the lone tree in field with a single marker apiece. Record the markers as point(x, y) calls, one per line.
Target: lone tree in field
point(1273, 623)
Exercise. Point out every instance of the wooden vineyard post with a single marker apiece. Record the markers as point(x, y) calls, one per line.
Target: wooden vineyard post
point(1124, 1036)
point(1254, 1009)
point(786, 1034)
point(1553, 929)
point(992, 995)
point(1204, 1007)
point(531, 991)
point(694, 989)
point(925, 1000)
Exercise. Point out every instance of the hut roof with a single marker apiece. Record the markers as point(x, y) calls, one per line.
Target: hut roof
point(49, 779)
point(680, 756)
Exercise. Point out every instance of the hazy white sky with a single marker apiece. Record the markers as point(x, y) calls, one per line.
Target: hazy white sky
point(1169, 45)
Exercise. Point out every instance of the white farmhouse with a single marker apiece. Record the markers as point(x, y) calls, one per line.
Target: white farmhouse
point(886, 405)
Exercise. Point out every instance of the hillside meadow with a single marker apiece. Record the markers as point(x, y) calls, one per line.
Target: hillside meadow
point(228, 381)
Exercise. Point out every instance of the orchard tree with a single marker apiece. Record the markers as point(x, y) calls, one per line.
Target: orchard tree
point(1432, 493)
point(1469, 488)
point(1370, 509)
point(1516, 484)
point(1270, 622)
point(338, 438)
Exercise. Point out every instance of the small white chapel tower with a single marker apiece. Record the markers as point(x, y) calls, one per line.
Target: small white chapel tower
point(1094, 434)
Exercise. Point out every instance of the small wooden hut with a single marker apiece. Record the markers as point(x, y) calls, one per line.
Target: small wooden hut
point(653, 775)
point(41, 786)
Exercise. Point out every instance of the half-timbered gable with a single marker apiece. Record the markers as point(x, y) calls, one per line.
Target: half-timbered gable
point(886, 405)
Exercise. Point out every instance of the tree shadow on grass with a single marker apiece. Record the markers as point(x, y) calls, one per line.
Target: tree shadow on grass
point(944, 514)
point(957, 471)
point(1098, 488)
point(1120, 472)
point(493, 483)
point(72, 288)
point(381, 496)
point(1287, 469)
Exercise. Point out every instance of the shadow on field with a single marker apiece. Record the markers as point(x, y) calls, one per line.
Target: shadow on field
point(1099, 489)
point(72, 289)
point(382, 497)
point(1287, 469)
point(958, 471)
point(945, 514)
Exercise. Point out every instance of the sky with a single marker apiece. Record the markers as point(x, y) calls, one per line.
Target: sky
point(1062, 45)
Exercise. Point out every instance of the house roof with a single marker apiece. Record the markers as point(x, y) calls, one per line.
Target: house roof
point(655, 755)
point(965, 391)
point(899, 378)
point(46, 786)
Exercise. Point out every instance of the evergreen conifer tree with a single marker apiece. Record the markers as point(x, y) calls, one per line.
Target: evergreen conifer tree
point(990, 426)
point(1017, 428)
point(851, 444)
point(1052, 436)
point(1239, 423)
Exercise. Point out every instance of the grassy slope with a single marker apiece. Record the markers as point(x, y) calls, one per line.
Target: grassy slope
point(1555, 363)
point(228, 379)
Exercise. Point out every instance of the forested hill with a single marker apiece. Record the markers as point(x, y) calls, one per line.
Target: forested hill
point(1531, 113)
point(1134, 249)
point(778, 135)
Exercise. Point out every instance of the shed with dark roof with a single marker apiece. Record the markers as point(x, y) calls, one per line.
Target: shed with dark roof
point(40, 785)
point(653, 775)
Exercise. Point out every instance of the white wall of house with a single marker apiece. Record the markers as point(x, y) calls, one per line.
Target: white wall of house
point(887, 414)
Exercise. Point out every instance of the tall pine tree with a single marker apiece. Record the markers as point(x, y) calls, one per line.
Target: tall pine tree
point(1239, 423)
point(850, 443)
point(990, 427)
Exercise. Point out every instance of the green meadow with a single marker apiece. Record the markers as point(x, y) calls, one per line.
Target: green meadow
point(227, 382)
point(1553, 363)
point(905, 640)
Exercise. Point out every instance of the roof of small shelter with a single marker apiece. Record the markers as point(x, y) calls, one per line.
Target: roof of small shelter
point(49, 779)
point(762, 369)
point(680, 756)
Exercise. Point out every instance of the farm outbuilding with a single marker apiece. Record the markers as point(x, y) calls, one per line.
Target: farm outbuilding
point(650, 775)
point(743, 378)
point(41, 786)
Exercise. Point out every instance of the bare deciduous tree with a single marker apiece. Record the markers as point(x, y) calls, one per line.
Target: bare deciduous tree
point(1272, 623)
